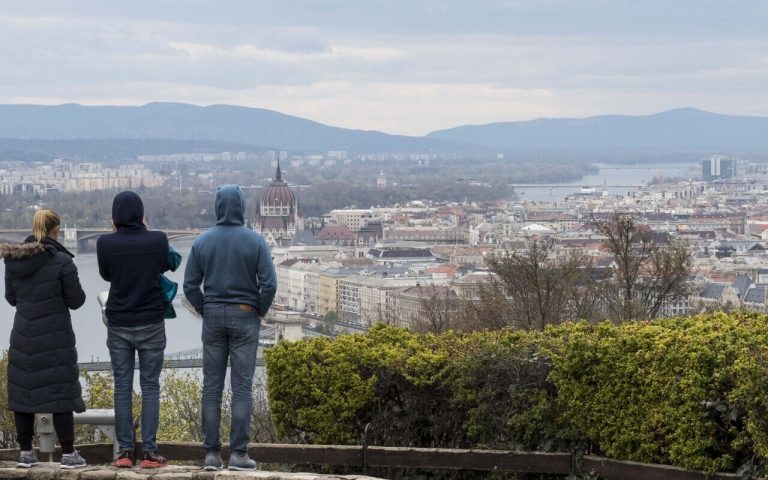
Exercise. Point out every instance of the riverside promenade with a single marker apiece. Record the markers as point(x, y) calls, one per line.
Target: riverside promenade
point(51, 471)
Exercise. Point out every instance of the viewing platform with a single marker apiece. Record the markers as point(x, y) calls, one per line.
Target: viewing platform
point(51, 471)
point(185, 462)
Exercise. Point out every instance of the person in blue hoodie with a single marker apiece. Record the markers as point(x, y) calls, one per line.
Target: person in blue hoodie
point(132, 259)
point(234, 266)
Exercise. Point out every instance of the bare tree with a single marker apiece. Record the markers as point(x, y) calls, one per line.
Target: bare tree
point(490, 309)
point(532, 289)
point(646, 273)
point(438, 308)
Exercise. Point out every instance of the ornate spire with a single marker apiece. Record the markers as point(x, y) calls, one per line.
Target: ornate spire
point(278, 174)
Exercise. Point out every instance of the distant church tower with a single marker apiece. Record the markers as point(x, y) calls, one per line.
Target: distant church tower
point(278, 216)
point(381, 180)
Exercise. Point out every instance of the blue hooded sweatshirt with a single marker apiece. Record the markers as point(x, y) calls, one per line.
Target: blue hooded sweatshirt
point(233, 263)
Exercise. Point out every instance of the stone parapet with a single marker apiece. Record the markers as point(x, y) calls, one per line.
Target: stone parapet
point(51, 471)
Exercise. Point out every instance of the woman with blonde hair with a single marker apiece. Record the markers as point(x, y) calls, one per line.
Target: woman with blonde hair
point(41, 281)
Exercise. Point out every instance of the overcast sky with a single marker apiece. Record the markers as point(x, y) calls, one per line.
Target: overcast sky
point(399, 66)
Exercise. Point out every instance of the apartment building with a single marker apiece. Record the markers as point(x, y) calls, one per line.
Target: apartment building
point(298, 285)
point(328, 288)
point(367, 297)
point(354, 219)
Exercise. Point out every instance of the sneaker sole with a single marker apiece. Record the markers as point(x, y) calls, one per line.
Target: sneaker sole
point(151, 465)
point(26, 465)
point(209, 468)
point(242, 469)
point(122, 465)
point(72, 467)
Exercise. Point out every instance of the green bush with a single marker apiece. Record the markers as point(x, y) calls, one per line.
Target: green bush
point(653, 391)
point(414, 390)
point(687, 391)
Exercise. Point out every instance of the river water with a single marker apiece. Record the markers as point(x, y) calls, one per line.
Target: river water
point(611, 174)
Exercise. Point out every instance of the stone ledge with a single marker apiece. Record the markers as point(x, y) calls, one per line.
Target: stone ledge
point(51, 471)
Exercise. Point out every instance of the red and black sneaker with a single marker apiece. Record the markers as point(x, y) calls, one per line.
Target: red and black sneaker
point(124, 459)
point(152, 460)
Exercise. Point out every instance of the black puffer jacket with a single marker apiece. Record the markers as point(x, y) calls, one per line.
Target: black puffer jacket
point(41, 282)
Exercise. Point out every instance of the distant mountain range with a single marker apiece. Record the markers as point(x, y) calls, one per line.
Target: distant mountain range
point(221, 125)
point(215, 123)
point(679, 129)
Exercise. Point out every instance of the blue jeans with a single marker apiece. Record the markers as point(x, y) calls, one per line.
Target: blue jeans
point(123, 344)
point(229, 333)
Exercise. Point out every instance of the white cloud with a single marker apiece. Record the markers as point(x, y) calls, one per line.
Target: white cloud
point(411, 68)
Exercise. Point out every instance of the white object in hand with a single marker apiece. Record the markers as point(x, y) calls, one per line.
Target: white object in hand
point(102, 298)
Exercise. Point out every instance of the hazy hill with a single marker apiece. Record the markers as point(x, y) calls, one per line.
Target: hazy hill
point(216, 123)
point(160, 127)
point(680, 129)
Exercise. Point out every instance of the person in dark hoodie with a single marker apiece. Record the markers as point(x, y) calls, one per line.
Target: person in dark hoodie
point(41, 281)
point(132, 259)
point(234, 265)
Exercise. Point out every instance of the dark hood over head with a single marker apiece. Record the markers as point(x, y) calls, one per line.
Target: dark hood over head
point(128, 211)
point(230, 205)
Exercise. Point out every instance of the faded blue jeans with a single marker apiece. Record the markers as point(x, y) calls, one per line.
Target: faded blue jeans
point(229, 333)
point(123, 344)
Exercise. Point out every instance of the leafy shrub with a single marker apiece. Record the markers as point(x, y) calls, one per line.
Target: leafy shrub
point(688, 391)
point(415, 390)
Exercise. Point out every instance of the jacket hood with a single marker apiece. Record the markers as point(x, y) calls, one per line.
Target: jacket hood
point(128, 211)
point(25, 259)
point(230, 205)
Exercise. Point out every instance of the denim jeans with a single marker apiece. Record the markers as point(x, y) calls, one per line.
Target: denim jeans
point(123, 344)
point(229, 333)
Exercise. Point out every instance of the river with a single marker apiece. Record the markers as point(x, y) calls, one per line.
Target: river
point(611, 174)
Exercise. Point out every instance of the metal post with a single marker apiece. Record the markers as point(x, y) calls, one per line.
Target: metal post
point(45, 434)
point(365, 448)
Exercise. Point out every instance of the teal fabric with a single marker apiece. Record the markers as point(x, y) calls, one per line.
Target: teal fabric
point(168, 286)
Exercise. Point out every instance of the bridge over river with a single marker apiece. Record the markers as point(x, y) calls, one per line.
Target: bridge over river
point(565, 185)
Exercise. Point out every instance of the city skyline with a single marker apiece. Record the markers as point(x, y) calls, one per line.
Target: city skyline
point(398, 67)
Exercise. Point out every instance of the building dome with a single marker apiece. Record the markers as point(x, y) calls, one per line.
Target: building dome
point(277, 195)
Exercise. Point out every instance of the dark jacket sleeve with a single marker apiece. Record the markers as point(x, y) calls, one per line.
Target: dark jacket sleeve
point(74, 296)
point(267, 280)
point(167, 258)
point(10, 291)
point(101, 258)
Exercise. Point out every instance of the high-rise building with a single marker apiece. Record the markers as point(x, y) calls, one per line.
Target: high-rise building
point(717, 167)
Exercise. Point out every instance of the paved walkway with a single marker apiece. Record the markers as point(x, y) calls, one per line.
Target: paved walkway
point(51, 471)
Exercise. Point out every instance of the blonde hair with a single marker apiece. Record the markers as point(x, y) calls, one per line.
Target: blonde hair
point(44, 222)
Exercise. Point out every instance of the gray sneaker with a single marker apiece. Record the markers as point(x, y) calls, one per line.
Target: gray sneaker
point(212, 461)
point(27, 459)
point(73, 460)
point(240, 461)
